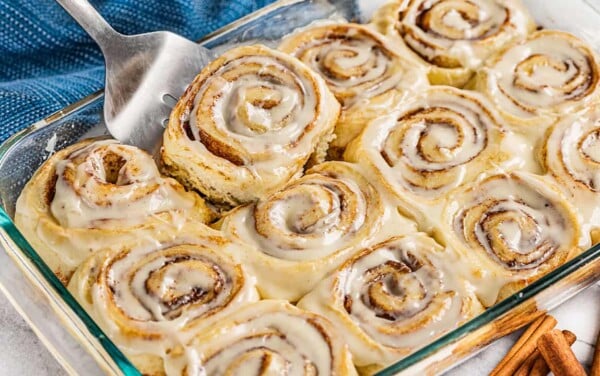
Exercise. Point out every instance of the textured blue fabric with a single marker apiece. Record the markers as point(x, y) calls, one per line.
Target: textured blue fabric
point(47, 61)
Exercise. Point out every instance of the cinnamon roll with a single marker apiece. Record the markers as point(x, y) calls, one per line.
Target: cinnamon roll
point(534, 82)
point(430, 145)
point(394, 298)
point(360, 68)
point(248, 124)
point(266, 338)
point(148, 298)
point(453, 38)
point(299, 234)
point(571, 155)
point(98, 193)
point(514, 228)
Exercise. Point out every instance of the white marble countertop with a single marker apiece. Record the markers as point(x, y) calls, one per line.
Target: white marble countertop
point(22, 354)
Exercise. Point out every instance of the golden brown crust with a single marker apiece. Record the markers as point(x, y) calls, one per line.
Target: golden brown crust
point(513, 228)
point(62, 245)
point(267, 337)
point(362, 70)
point(452, 39)
point(534, 82)
point(150, 297)
point(394, 297)
point(248, 124)
point(430, 145)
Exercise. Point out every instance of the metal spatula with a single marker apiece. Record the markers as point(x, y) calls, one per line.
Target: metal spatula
point(145, 75)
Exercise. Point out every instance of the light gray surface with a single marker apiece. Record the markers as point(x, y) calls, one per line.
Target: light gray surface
point(21, 353)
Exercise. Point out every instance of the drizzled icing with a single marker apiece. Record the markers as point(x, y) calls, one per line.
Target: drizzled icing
point(431, 143)
point(315, 216)
point(545, 75)
point(266, 338)
point(355, 61)
point(97, 194)
point(518, 225)
point(253, 117)
point(393, 298)
point(107, 185)
point(310, 226)
point(148, 298)
point(460, 33)
point(571, 154)
point(255, 98)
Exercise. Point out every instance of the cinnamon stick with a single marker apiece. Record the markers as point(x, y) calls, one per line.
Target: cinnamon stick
point(558, 354)
point(539, 366)
point(524, 346)
point(595, 370)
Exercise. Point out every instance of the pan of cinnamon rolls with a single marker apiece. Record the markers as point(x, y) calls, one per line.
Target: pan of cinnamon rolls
point(332, 204)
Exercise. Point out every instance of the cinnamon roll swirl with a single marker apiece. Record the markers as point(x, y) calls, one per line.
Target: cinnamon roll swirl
point(266, 338)
point(97, 193)
point(299, 234)
point(248, 124)
point(514, 228)
point(534, 82)
point(394, 298)
point(360, 68)
point(430, 145)
point(148, 297)
point(453, 38)
point(571, 155)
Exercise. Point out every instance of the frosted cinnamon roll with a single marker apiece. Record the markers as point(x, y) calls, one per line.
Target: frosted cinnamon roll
point(248, 124)
point(360, 68)
point(299, 234)
point(571, 155)
point(394, 298)
point(514, 228)
point(430, 145)
point(452, 38)
point(532, 83)
point(266, 338)
point(98, 193)
point(148, 297)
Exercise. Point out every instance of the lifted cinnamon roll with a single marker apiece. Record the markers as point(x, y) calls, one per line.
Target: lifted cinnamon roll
point(248, 124)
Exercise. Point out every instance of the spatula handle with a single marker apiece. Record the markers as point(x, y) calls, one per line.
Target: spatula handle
point(92, 22)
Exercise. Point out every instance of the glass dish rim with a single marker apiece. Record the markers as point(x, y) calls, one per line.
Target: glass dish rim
point(7, 225)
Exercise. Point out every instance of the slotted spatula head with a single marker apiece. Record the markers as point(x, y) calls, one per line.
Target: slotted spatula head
point(145, 75)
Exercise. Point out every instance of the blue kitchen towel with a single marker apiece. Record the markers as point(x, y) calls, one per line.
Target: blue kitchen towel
point(47, 61)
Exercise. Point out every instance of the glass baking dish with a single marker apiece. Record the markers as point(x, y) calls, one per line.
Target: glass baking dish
point(78, 343)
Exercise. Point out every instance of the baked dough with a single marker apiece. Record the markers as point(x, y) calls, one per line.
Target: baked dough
point(248, 124)
point(150, 297)
point(394, 297)
point(362, 70)
point(269, 337)
point(453, 38)
point(301, 233)
point(99, 193)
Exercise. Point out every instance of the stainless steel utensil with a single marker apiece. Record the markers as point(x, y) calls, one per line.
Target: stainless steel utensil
point(145, 75)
